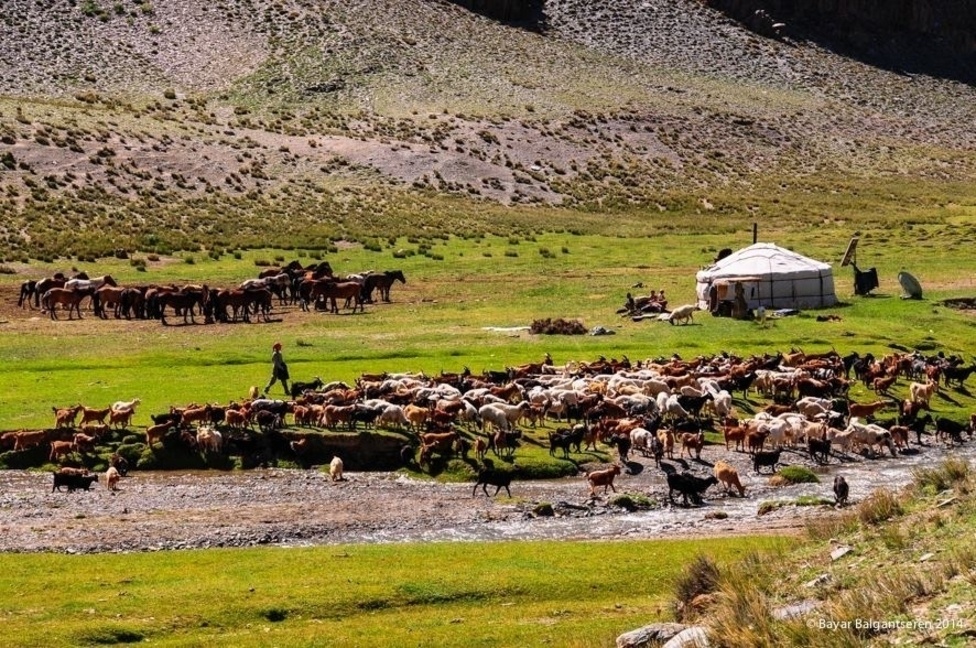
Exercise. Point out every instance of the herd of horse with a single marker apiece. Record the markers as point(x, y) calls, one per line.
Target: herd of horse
point(313, 287)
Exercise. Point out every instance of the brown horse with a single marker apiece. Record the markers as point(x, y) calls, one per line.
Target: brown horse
point(347, 290)
point(67, 299)
point(109, 297)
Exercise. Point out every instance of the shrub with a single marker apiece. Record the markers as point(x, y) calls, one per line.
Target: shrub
point(879, 506)
point(942, 477)
point(699, 577)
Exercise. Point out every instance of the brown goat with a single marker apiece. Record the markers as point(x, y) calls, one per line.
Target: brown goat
point(729, 477)
point(603, 478)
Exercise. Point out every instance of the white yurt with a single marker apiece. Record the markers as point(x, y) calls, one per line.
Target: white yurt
point(769, 276)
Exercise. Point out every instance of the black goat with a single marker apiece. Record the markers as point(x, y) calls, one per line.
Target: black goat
point(841, 490)
point(173, 418)
point(957, 374)
point(267, 420)
point(819, 450)
point(567, 438)
point(623, 444)
point(689, 486)
point(299, 388)
point(488, 476)
point(766, 458)
point(947, 429)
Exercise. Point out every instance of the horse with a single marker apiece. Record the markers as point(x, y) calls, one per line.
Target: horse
point(180, 300)
point(28, 290)
point(44, 285)
point(241, 301)
point(133, 303)
point(109, 297)
point(65, 297)
point(383, 281)
point(348, 290)
point(83, 283)
point(320, 271)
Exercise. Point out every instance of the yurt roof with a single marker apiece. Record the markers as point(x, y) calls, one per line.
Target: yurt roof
point(763, 259)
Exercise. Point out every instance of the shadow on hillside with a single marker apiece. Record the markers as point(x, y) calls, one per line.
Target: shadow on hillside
point(526, 14)
point(884, 35)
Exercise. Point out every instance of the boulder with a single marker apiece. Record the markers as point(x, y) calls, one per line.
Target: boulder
point(650, 635)
point(693, 637)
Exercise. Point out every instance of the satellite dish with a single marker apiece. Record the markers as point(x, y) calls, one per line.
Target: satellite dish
point(913, 289)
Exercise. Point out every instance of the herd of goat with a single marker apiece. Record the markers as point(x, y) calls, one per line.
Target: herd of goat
point(799, 403)
point(309, 287)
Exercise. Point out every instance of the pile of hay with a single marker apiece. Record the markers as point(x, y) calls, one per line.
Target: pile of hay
point(557, 327)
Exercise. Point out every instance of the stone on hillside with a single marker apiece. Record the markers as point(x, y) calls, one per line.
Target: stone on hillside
point(839, 553)
point(650, 635)
point(693, 637)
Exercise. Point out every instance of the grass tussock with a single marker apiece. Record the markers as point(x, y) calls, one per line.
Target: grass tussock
point(798, 475)
point(950, 473)
point(700, 578)
point(913, 559)
point(879, 506)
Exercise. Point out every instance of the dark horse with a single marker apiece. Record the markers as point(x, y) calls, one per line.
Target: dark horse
point(382, 281)
point(28, 292)
point(181, 300)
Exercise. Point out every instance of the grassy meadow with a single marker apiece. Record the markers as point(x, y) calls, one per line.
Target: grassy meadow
point(456, 290)
point(438, 594)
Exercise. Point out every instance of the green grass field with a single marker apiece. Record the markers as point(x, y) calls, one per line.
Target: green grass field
point(438, 320)
point(437, 594)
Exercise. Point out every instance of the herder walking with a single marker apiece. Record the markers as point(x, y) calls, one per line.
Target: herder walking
point(279, 370)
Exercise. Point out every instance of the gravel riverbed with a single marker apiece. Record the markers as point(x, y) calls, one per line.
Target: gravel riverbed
point(197, 509)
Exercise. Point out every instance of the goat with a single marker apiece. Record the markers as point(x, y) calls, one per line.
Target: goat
point(335, 469)
point(299, 388)
point(949, 430)
point(89, 415)
point(603, 478)
point(121, 417)
point(60, 449)
point(689, 486)
point(157, 432)
point(692, 442)
point(503, 441)
point(841, 490)
point(729, 477)
point(684, 314)
point(922, 392)
point(819, 449)
point(489, 476)
point(65, 417)
point(84, 442)
point(666, 437)
point(112, 478)
point(770, 458)
point(126, 405)
point(865, 410)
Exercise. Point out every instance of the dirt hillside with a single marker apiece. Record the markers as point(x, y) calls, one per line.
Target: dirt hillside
point(143, 119)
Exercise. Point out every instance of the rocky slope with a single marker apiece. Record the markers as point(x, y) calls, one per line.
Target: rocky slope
point(252, 109)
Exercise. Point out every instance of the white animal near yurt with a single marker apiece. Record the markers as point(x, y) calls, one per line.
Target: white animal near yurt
point(770, 276)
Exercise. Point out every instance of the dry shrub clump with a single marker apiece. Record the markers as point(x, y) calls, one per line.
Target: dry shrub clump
point(557, 327)
point(878, 507)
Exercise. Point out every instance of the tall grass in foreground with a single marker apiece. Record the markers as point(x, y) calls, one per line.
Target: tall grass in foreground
point(436, 594)
point(912, 557)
